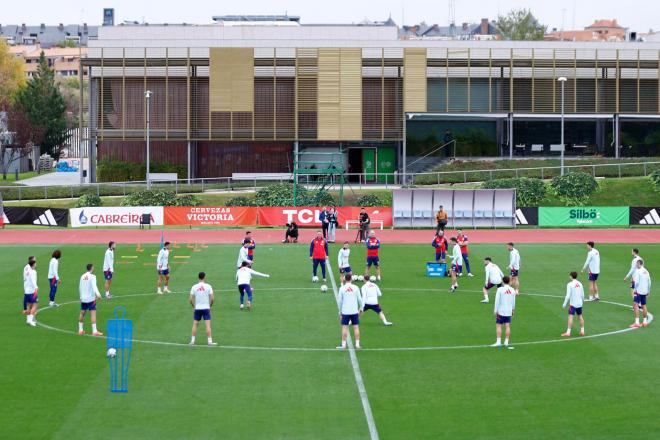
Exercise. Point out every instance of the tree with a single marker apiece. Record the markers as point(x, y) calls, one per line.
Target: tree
point(45, 107)
point(17, 137)
point(12, 74)
point(520, 24)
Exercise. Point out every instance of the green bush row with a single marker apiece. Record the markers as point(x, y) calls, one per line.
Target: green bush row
point(159, 198)
point(529, 192)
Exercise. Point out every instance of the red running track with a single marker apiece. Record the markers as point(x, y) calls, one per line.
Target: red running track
point(216, 236)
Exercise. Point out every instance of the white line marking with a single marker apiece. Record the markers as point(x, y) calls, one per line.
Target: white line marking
point(373, 431)
point(312, 349)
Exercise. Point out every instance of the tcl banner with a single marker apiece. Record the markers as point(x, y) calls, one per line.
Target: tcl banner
point(210, 216)
point(309, 216)
point(115, 216)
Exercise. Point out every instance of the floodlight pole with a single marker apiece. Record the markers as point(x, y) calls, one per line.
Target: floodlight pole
point(562, 80)
point(147, 95)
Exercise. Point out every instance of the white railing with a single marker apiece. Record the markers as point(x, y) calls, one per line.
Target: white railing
point(355, 180)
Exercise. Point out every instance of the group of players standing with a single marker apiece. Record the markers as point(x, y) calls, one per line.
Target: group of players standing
point(352, 300)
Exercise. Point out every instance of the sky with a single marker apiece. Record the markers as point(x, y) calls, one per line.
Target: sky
point(638, 15)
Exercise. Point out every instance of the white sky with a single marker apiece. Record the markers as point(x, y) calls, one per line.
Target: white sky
point(639, 15)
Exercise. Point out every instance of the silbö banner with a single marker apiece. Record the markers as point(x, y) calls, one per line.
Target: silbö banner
point(584, 216)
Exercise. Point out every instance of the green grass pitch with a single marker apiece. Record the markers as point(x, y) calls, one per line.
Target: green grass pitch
point(55, 384)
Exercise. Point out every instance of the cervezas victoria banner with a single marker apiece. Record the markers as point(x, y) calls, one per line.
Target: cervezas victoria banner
point(210, 216)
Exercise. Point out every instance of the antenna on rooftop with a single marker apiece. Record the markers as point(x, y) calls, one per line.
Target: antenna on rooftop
point(452, 12)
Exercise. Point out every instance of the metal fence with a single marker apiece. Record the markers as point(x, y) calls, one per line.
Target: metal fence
point(355, 180)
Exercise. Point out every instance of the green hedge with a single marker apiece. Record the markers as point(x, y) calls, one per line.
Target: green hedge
point(282, 195)
point(369, 200)
point(159, 198)
point(655, 179)
point(529, 192)
point(119, 171)
point(574, 189)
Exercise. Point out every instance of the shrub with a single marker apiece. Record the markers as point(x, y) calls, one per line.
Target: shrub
point(655, 179)
point(240, 201)
point(317, 198)
point(369, 200)
point(159, 198)
point(574, 188)
point(88, 200)
point(282, 195)
point(529, 192)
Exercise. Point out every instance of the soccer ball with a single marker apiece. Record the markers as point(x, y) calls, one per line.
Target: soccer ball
point(112, 352)
point(360, 278)
point(315, 279)
point(355, 277)
point(324, 288)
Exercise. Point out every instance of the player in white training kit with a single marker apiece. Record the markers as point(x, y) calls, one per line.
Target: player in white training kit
point(30, 292)
point(54, 276)
point(505, 307)
point(343, 262)
point(593, 263)
point(89, 292)
point(370, 294)
point(574, 299)
point(633, 269)
point(456, 264)
point(163, 268)
point(642, 282)
point(493, 278)
point(201, 299)
point(243, 279)
point(514, 267)
point(243, 255)
point(349, 301)
point(109, 267)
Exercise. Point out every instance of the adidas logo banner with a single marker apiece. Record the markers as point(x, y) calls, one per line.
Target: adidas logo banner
point(645, 216)
point(527, 216)
point(24, 215)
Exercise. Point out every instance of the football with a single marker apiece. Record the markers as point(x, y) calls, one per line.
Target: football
point(324, 288)
point(112, 352)
point(355, 277)
point(360, 278)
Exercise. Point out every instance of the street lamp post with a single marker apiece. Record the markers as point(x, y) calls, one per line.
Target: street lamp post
point(147, 95)
point(562, 80)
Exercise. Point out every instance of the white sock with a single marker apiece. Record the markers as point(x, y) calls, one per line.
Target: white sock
point(28, 318)
point(498, 341)
point(506, 341)
point(94, 328)
point(80, 326)
point(343, 344)
point(357, 342)
point(568, 330)
point(486, 297)
point(210, 340)
point(192, 339)
point(646, 320)
point(636, 320)
point(581, 329)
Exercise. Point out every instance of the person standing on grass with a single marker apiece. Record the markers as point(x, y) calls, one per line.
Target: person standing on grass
point(243, 255)
point(26, 274)
point(370, 294)
point(318, 253)
point(31, 292)
point(349, 301)
point(251, 245)
point(109, 267)
point(243, 279)
point(456, 264)
point(343, 261)
point(633, 269)
point(440, 244)
point(201, 299)
point(163, 268)
point(642, 280)
point(514, 266)
point(441, 219)
point(373, 247)
point(593, 263)
point(505, 307)
point(89, 292)
point(574, 299)
point(494, 277)
point(462, 240)
point(53, 276)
